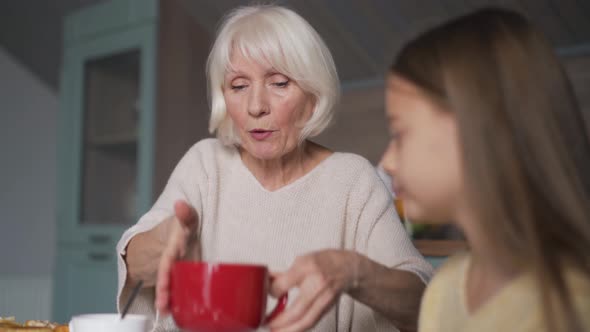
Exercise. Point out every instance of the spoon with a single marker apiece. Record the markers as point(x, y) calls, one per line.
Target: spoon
point(131, 298)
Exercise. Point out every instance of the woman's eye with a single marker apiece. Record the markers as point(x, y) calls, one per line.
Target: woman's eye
point(238, 87)
point(281, 84)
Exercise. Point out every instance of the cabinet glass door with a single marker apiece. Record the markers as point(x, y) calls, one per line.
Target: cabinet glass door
point(110, 143)
point(106, 138)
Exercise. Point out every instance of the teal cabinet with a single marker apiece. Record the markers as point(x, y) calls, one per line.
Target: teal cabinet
point(105, 149)
point(133, 100)
point(107, 118)
point(86, 282)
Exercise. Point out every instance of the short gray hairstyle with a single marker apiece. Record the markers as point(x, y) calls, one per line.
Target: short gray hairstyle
point(286, 41)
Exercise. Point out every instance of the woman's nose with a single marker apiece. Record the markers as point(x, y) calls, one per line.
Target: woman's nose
point(257, 103)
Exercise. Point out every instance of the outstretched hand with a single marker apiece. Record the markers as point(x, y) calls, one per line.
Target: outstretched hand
point(181, 244)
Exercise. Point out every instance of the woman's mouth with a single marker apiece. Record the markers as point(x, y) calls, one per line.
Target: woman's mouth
point(260, 134)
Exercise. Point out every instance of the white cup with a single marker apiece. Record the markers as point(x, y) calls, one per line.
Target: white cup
point(109, 323)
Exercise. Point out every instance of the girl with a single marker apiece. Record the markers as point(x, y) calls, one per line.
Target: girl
point(486, 133)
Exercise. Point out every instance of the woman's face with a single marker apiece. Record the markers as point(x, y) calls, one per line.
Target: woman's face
point(423, 156)
point(268, 109)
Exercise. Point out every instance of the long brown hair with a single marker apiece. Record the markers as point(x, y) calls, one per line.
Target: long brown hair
point(525, 149)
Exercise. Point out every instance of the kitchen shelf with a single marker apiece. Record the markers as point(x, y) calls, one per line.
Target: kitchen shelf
point(440, 248)
point(114, 140)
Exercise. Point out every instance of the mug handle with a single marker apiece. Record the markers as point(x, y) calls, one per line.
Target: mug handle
point(281, 305)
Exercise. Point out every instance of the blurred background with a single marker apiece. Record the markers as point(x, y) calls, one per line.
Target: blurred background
point(99, 100)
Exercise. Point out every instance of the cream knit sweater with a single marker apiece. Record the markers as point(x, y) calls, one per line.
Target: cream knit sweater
point(341, 203)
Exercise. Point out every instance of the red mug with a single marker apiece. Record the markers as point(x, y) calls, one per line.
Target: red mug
point(220, 297)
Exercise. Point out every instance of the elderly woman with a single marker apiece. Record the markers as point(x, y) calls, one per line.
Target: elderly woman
point(262, 192)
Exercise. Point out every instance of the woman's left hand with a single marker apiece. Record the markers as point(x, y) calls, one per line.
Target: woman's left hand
point(321, 277)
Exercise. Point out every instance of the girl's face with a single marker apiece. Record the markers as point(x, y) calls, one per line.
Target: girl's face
point(423, 156)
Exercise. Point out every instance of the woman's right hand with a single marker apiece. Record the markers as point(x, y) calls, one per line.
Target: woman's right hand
point(182, 243)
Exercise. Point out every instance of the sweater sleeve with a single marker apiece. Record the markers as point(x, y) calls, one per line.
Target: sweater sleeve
point(187, 182)
point(381, 235)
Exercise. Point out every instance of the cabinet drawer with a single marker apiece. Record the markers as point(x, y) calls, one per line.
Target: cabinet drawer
point(85, 281)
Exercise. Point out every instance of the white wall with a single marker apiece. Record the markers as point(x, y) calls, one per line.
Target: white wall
point(28, 116)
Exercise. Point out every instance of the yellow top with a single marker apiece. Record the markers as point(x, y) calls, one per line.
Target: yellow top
point(516, 307)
